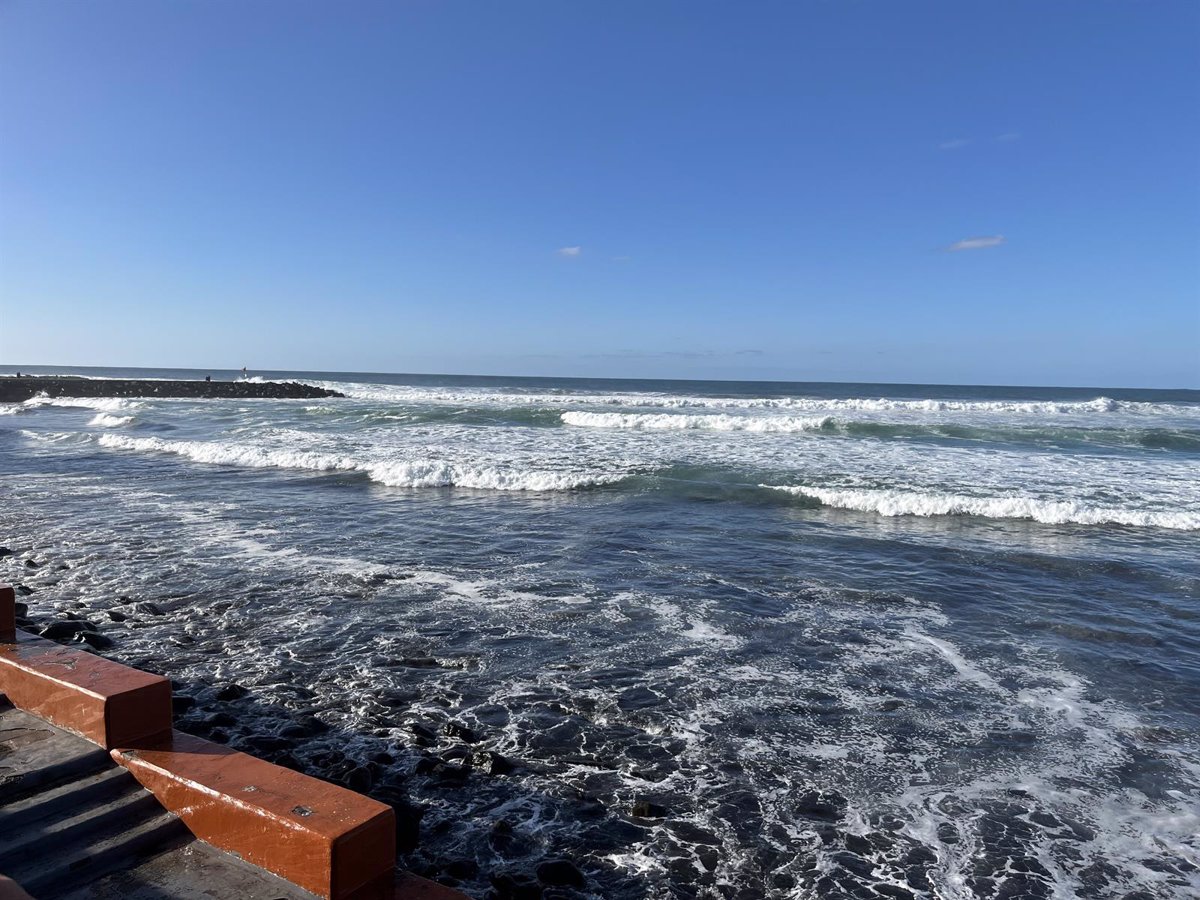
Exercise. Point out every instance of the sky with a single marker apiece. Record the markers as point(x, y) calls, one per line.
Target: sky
point(860, 190)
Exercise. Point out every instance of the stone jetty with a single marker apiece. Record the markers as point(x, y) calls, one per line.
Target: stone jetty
point(15, 389)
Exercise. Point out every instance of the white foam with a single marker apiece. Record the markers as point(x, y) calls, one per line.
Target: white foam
point(103, 404)
point(678, 422)
point(509, 397)
point(890, 502)
point(105, 420)
point(394, 473)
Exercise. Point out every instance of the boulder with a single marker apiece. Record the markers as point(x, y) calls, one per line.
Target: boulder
point(561, 873)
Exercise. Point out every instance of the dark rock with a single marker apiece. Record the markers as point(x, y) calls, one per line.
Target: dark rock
point(645, 809)
point(496, 764)
point(96, 640)
point(418, 662)
point(383, 758)
point(30, 564)
point(462, 869)
point(150, 609)
point(24, 590)
point(231, 692)
point(65, 631)
point(117, 616)
point(220, 719)
point(61, 567)
point(4, 551)
point(359, 779)
point(561, 872)
point(264, 744)
point(181, 703)
point(311, 724)
point(21, 610)
point(511, 886)
point(462, 732)
point(422, 731)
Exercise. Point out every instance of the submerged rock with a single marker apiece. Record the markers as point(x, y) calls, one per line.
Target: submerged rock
point(561, 873)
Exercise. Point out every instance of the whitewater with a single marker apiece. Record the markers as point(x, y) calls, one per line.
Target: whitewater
point(846, 640)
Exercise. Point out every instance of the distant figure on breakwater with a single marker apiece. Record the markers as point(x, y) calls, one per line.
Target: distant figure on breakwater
point(245, 377)
point(208, 378)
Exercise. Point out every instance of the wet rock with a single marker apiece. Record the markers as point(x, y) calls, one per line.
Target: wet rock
point(815, 805)
point(265, 744)
point(417, 662)
point(65, 630)
point(462, 869)
point(220, 719)
point(561, 873)
point(181, 703)
point(117, 616)
point(31, 564)
point(516, 886)
point(359, 779)
point(231, 692)
point(4, 551)
point(462, 732)
point(383, 758)
point(311, 725)
point(21, 610)
point(646, 809)
point(24, 590)
point(96, 640)
point(150, 609)
point(61, 567)
point(495, 764)
point(422, 731)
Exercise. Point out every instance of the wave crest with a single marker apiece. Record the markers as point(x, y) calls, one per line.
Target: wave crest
point(393, 473)
point(677, 422)
point(890, 502)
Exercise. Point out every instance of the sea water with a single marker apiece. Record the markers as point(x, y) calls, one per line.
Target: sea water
point(849, 640)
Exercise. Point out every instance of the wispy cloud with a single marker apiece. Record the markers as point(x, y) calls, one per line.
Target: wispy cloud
point(1008, 137)
point(956, 144)
point(976, 243)
point(569, 251)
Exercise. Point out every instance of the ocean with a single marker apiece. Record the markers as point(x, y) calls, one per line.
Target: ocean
point(704, 639)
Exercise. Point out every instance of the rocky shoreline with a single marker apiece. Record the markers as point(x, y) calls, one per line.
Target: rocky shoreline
point(14, 389)
point(448, 758)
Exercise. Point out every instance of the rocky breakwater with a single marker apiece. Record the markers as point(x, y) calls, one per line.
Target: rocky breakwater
point(15, 389)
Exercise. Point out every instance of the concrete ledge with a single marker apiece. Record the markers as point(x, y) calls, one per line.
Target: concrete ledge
point(324, 838)
point(109, 704)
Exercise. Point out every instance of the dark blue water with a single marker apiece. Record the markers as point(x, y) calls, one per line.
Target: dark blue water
point(824, 640)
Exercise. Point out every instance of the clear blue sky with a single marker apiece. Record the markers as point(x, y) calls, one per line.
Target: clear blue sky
point(690, 189)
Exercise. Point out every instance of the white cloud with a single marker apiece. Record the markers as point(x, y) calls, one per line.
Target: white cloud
point(977, 243)
point(569, 251)
point(956, 144)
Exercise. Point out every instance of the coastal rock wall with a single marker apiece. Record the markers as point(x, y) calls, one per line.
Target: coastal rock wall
point(19, 389)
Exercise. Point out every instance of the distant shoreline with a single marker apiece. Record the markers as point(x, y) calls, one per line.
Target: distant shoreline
point(15, 389)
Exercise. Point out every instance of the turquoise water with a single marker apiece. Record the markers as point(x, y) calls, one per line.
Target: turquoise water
point(855, 640)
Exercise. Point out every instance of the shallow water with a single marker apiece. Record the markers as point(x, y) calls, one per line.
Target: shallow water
point(855, 640)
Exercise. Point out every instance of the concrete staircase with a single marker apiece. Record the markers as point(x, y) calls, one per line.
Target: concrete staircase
point(68, 813)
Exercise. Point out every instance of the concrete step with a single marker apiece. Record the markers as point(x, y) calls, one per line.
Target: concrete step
point(86, 826)
point(34, 755)
point(49, 875)
point(66, 798)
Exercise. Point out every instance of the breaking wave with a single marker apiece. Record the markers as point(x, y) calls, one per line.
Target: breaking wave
point(417, 473)
point(676, 422)
point(889, 502)
point(102, 404)
point(105, 420)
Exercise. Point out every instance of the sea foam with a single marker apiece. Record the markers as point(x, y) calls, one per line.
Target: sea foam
point(393, 473)
point(889, 502)
point(680, 422)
